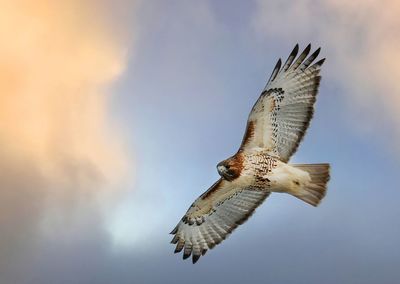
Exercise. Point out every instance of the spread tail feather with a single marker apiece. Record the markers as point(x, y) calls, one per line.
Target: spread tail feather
point(313, 191)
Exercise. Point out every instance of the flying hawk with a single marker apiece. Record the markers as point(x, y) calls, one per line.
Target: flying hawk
point(275, 127)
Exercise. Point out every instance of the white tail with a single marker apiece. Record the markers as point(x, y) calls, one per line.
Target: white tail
point(313, 191)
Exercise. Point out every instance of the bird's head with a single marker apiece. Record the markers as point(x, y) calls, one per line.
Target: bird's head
point(230, 168)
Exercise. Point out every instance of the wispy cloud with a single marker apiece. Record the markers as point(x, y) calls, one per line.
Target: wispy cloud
point(58, 150)
point(362, 42)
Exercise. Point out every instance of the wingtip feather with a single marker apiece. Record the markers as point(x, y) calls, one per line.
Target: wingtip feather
point(175, 239)
point(179, 247)
point(195, 258)
point(320, 62)
point(278, 64)
point(174, 231)
point(291, 57)
point(310, 59)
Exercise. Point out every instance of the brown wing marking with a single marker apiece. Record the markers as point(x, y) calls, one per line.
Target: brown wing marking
point(248, 135)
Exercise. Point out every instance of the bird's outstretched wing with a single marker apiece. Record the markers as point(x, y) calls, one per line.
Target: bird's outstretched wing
point(281, 115)
point(213, 216)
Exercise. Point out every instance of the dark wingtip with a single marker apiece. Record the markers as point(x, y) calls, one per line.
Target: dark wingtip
point(295, 49)
point(307, 49)
point(174, 240)
point(173, 232)
point(290, 58)
point(186, 255)
point(320, 62)
point(195, 258)
point(316, 53)
point(310, 59)
point(276, 68)
point(275, 71)
point(178, 248)
point(279, 64)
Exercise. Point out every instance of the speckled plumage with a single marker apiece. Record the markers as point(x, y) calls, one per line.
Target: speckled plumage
point(275, 127)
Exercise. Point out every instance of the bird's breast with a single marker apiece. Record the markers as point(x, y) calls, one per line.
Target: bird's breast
point(258, 168)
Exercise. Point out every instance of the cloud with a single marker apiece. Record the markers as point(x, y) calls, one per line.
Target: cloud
point(175, 42)
point(361, 42)
point(60, 152)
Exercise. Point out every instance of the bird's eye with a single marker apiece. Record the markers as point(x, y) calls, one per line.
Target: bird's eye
point(227, 166)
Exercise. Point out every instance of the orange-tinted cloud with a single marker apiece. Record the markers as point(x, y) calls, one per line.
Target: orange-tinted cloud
point(58, 149)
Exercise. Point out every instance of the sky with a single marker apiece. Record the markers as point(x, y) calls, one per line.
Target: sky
point(113, 117)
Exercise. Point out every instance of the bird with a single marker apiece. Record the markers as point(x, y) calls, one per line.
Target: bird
point(275, 127)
